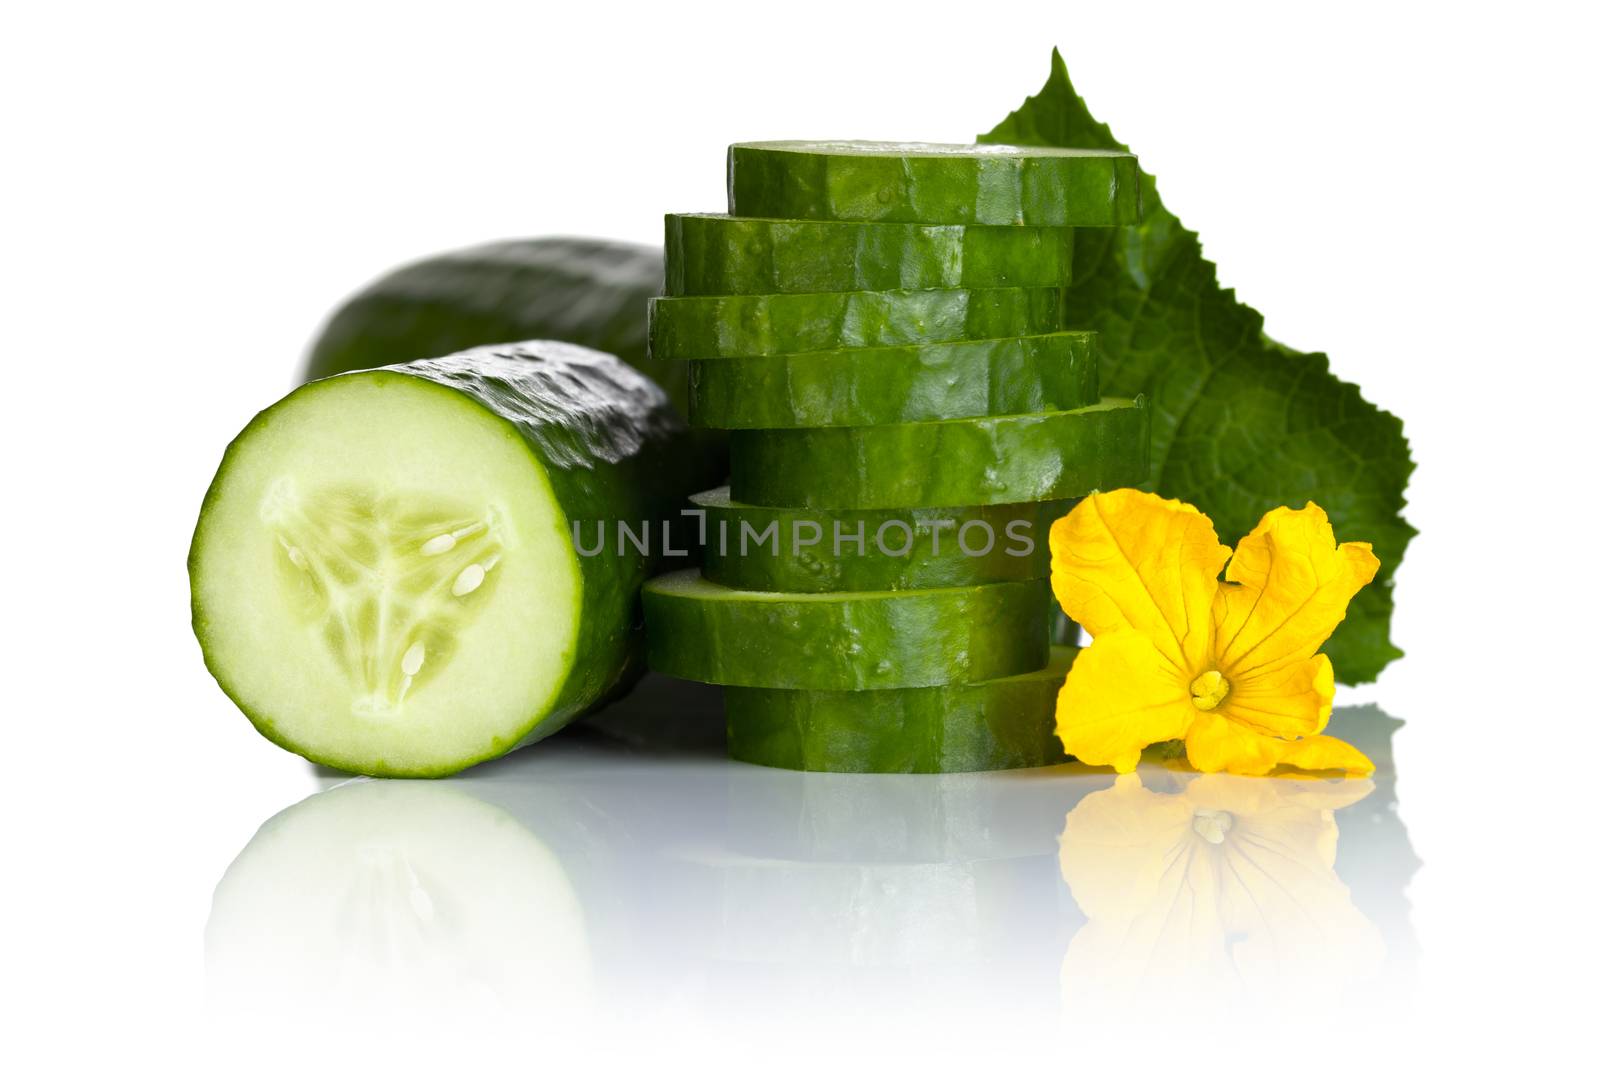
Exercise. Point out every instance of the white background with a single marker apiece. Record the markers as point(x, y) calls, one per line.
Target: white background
point(188, 189)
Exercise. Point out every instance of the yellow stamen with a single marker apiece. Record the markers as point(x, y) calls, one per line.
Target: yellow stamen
point(1208, 690)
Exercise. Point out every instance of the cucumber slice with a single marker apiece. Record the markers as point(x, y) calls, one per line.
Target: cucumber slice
point(860, 640)
point(989, 185)
point(719, 255)
point(1004, 459)
point(384, 577)
point(999, 724)
point(792, 550)
point(723, 327)
point(907, 383)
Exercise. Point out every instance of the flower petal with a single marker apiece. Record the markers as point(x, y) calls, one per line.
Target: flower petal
point(1294, 584)
point(1323, 753)
point(1128, 560)
point(1292, 701)
point(1121, 695)
point(1216, 743)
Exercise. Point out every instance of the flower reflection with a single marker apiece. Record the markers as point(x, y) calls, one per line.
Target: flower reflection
point(1218, 893)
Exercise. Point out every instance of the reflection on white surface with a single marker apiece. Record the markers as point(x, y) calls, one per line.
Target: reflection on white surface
point(1213, 893)
point(628, 868)
point(408, 899)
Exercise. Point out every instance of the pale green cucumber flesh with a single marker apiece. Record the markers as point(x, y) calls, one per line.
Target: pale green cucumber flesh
point(719, 255)
point(796, 550)
point(707, 632)
point(997, 185)
point(999, 724)
point(1004, 459)
point(725, 327)
point(383, 574)
point(909, 383)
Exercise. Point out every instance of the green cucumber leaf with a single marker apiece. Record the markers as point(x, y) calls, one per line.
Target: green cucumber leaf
point(1240, 423)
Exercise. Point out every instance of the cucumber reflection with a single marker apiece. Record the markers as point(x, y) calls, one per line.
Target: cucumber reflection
point(622, 867)
point(406, 899)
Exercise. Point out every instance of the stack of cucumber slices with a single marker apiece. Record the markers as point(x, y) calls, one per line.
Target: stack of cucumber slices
point(880, 326)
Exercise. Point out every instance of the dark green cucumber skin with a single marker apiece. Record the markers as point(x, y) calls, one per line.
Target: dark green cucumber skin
point(612, 447)
point(724, 327)
point(928, 637)
point(908, 383)
point(783, 564)
point(718, 255)
point(580, 290)
point(1085, 189)
point(1002, 724)
point(1006, 459)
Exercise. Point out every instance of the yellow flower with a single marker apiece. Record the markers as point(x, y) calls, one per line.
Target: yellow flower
point(1231, 667)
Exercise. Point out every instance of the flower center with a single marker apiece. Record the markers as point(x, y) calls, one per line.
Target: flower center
point(1208, 690)
point(1212, 826)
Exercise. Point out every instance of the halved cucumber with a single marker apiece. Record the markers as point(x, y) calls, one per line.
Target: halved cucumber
point(719, 255)
point(907, 383)
point(707, 632)
point(878, 181)
point(384, 576)
point(1004, 459)
point(724, 327)
point(794, 550)
point(999, 724)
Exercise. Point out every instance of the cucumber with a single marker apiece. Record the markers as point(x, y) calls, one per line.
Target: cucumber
point(723, 327)
point(988, 185)
point(384, 577)
point(920, 548)
point(999, 724)
point(1004, 459)
point(707, 632)
point(581, 290)
point(719, 255)
point(907, 383)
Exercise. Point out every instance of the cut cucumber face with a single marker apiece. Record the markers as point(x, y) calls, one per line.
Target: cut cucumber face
point(878, 181)
point(1006, 459)
point(1000, 724)
point(384, 577)
point(908, 383)
point(719, 255)
point(885, 640)
point(793, 550)
point(726, 327)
